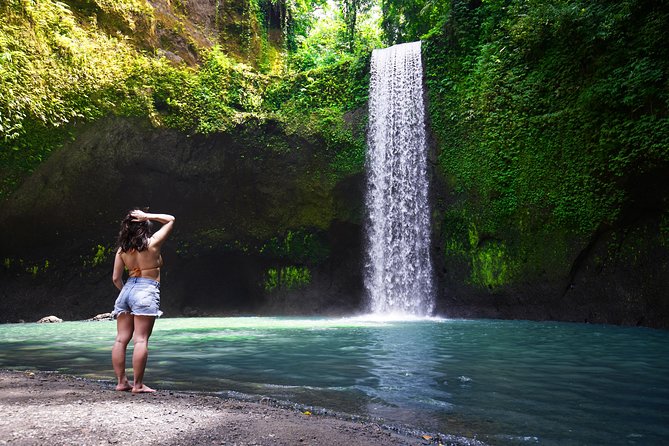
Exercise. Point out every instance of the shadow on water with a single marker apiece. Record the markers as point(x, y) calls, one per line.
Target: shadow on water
point(503, 382)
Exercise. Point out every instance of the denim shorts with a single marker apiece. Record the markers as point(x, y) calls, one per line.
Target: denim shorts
point(140, 296)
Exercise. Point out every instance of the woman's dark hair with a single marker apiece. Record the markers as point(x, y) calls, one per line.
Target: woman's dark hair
point(134, 234)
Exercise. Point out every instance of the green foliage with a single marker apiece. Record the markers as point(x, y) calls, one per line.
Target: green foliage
point(219, 96)
point(300, 16)
point(350, 158)
point(52, 71)
point(100, 256)
point(409, 20)
point(287, 278)
point(336, 36)
point(127, 12)
point(58, 68)
point(24, 153)
point(313, 104)
point(546, 114)
point(321, 46)
point(350, 11)
point(263, 32)
point(490, 266)
point(295, 18)
point(20, 266)
point(342, 86)
point(65, 68)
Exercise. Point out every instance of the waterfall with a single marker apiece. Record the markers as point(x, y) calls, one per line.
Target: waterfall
point(398, 270)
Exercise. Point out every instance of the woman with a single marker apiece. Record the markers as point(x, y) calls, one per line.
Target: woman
point(138, 304)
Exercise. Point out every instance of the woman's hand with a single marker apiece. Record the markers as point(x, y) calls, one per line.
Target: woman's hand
point(144, 216)
point(139, 215)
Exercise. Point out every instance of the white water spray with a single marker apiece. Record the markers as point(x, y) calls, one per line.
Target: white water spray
point(398, 272)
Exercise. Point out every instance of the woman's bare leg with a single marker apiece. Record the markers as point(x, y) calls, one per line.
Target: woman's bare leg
point(124, 329)
point(140, 353)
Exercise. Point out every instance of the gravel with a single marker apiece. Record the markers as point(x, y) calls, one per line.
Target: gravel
point(39, 408)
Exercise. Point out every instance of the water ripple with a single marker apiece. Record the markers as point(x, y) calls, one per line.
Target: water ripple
point(503, 383)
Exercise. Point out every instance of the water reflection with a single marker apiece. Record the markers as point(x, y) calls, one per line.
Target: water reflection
point(406, 380)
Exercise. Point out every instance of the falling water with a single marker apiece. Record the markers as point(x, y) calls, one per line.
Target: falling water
point(398, 276)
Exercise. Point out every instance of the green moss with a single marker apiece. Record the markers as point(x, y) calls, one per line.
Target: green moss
point(455, 248)
point(20, 266)
point(473, 236)
point(58, 68)
point(489, 260)
point(490, 265)
point(342, 86)
point(287, 278)
point(100, 255)
point(36, 269)
point(543, 117)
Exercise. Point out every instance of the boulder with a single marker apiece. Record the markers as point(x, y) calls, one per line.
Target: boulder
point(49, 320)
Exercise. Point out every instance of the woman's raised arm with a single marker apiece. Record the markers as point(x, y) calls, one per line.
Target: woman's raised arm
point(167, 221)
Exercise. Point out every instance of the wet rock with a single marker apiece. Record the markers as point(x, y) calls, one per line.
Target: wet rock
point(49, 320)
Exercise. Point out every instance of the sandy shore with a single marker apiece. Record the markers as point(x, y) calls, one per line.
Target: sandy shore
point(39, 408)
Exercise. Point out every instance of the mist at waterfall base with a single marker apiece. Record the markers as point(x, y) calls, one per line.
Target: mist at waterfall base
point(501, 382)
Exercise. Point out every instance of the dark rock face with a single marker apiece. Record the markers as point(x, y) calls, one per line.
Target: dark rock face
point(620, 276)
point(230, 193)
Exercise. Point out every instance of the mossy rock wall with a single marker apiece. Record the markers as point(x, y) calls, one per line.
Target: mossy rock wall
point(260, 223)
point(550, 127)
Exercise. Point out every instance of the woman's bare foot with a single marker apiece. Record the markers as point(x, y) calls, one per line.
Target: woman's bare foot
point(143, 389)
point(124, 386)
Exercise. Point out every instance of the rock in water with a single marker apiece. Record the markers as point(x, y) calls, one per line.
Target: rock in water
point(49, 320)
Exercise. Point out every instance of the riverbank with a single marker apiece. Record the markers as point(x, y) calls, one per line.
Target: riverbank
point(40, 408)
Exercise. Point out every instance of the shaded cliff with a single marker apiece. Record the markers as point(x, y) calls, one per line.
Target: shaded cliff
point(261, 224)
